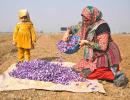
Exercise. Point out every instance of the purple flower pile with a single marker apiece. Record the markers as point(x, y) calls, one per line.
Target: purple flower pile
point(46, 71)
point(69, 47)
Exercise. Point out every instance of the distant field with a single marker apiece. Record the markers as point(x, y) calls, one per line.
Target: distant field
point(45, 48)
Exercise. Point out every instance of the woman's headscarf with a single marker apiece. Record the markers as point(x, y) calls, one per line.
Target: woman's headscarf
point(24, 12)
point(91, 13)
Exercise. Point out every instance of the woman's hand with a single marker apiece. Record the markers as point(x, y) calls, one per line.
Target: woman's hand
point(83, 42)
point(66, 35)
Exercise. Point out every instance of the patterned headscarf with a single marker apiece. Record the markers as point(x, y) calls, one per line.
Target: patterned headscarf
point(91, 13)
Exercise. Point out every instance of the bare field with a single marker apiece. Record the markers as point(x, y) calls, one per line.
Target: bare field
point(45, 48)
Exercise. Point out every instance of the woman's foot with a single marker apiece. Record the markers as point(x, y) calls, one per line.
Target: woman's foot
point(121, 80)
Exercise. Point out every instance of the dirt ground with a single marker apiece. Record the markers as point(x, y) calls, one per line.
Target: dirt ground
point(45, 48)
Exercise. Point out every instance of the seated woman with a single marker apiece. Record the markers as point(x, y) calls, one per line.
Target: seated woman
point(101, 54)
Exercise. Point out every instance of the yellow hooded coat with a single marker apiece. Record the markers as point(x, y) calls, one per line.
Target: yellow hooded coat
point(24, 35)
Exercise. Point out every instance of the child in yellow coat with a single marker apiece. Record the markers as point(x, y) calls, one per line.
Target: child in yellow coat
point(24, 36)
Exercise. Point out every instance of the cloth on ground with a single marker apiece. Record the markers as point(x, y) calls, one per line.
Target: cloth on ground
point(10, 83)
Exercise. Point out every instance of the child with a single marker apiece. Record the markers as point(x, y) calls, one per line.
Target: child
point(24, 36)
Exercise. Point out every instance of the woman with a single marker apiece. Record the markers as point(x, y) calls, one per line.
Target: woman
point(101, 55)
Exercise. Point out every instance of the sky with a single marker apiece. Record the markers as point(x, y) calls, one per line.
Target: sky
point(50, 15)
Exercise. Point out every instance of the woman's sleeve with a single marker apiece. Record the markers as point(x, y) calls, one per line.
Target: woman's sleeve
point(15, 33)
point(102, 38)
point(76, 29)
point(33, 33)
point(102, 41)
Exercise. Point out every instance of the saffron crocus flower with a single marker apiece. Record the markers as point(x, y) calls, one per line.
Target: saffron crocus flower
point(42, 70)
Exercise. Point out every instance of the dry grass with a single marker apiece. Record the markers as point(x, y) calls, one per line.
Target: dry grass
point(46, 49)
